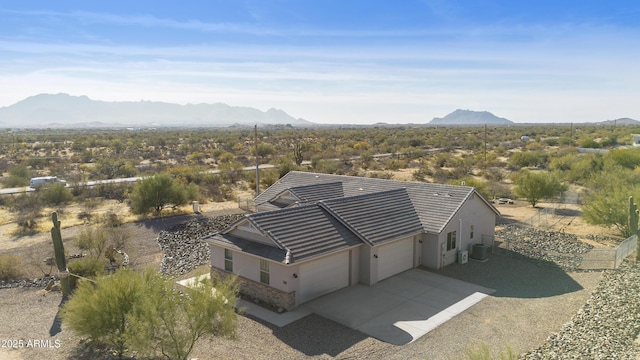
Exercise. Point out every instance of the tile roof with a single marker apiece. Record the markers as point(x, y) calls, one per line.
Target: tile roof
point(248, 246)
point(315, 192)
point(304, 231)
point(435, 204)
point(377, 217)
point(307, 194)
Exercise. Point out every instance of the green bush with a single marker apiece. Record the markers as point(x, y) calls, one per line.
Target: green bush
point(56, 194)
point(143, 311)
point(10, 267)
point(88, 267)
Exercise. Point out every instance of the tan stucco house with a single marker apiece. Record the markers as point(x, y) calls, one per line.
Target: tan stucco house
point(317, 233)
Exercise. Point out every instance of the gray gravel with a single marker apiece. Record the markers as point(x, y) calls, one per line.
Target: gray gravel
point(182, 247)
point(606, 327)
point(555, 248)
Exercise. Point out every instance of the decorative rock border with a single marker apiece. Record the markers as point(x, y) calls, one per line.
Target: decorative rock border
point(182, 247)
point(606, 327)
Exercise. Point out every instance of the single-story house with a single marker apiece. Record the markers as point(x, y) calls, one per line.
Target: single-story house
point(316, 233)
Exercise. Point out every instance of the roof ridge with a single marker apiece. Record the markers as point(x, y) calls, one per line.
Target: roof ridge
point(378, 179)
point(364, 196)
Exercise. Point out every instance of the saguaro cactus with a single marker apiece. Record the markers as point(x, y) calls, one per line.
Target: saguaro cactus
point(297, 154)
point(61, 261)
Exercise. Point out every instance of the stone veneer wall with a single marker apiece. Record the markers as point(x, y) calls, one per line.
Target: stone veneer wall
point(258, 290)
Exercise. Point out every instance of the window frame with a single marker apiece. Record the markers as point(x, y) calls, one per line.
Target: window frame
point(228, 260)
point(264, 271)
point(451, 240)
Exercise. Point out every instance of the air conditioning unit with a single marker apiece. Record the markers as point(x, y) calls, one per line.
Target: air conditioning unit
point(463, 256)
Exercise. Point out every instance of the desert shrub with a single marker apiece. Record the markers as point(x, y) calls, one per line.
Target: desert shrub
point(421, 174)
point(112, 191)
point(110, 219)
point(590, 143)
point(10, 267)
point(19, 175)
point(394, 165)
point(627, 158)
point(88, 267)
point(55, 194)
point(388, 175)
point(441, 175)
point(92, 240)
point(326, 166)
point(527, 159)
point(268, 177)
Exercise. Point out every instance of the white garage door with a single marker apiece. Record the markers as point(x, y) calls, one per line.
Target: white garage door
point(323, 276)
point(395, 258)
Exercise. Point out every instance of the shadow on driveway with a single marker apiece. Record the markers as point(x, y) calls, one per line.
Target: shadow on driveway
point(512, 275)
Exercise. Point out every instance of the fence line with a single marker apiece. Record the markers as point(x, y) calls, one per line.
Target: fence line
point(625, 249)
point(247, 204)
point(575, 257)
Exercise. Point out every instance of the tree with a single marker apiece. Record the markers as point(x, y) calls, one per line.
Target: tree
point(156, 192)
point(171, 321)
point(534, 186)
point(143, 311)
point(103, 311)
point(607, 203)
point(113, 167)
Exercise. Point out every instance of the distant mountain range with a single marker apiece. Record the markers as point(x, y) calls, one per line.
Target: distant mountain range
point(67, 111)
point(63, 110)
point(621, 121)
point(468, 117)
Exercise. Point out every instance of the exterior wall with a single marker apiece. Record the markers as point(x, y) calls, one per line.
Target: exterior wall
point(247, 266)
point(283, 299)
point(418, 240)
point(366, 267)
point(354, 276)
point(431, 251)
point(474, 212)
point(217, 256)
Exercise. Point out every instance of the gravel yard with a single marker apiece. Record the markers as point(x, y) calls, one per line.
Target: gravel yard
point(540, 311)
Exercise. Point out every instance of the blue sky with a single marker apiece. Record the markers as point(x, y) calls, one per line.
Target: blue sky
point(357, 62)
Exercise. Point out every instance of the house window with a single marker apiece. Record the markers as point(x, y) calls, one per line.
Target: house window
point(264, 271)
point(451, 241)
point(228, 260)
point(471, 232)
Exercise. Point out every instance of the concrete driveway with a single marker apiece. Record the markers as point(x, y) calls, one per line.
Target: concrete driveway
point(397, 310)
point(400, 309)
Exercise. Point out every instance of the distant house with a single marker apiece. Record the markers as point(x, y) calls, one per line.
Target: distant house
point(636, 140)
point(317, 233)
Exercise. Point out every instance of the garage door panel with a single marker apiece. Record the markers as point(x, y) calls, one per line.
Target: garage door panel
point(395, 258)
point(323, 276)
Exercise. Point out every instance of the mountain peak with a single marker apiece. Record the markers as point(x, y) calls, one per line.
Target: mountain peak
point(469, 117)
point(64, 110)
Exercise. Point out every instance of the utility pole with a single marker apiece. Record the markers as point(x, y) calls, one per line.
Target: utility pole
point(255, 130)
point(485, 145)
